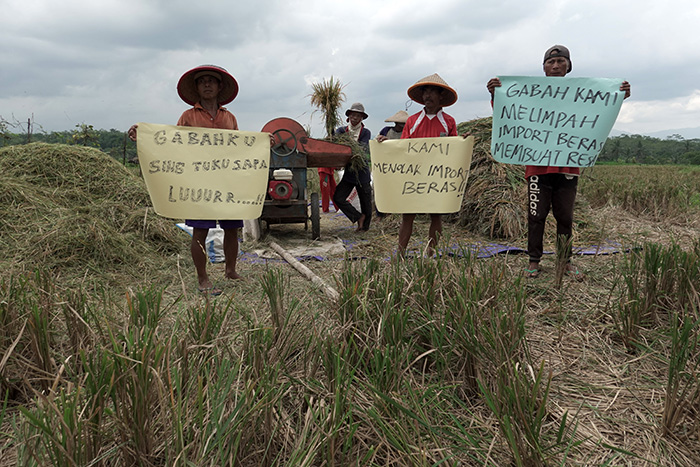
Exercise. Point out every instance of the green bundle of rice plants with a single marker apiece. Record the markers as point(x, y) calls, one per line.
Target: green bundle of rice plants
point(360, 154)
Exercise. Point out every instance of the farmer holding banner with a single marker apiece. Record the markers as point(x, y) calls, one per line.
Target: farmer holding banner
point(207, 88)
point(553, 186)
point(433, 93)
point(392, 132)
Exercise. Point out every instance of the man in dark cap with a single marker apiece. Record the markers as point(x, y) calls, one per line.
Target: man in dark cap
point(551, 187)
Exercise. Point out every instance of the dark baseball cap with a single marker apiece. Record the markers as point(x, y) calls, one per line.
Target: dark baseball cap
point(558, 51)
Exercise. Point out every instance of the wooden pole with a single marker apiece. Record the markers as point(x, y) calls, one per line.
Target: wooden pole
point(124, 149)
point(306, 272)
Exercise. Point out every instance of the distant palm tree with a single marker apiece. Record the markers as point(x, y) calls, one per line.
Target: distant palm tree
point(327, 97)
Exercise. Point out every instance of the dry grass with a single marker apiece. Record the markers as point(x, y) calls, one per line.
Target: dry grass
point(85, 220)
point(494, 201)
point(671, 195)
point(79, 214)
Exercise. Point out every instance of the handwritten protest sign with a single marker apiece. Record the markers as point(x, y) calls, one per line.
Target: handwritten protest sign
point(556, 121)
point(204, 173)
point(420, 175)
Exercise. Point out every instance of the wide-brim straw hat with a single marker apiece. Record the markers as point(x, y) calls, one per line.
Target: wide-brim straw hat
point(416, 94)
point(399, 117)
point(357, 107)
point(187, 88)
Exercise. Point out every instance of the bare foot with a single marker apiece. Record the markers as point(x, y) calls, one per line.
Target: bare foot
point(233, 276)
point(361, 223)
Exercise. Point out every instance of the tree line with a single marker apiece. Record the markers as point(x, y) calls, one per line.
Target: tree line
point(640, 149)
point(113, 142)
point(631, 149)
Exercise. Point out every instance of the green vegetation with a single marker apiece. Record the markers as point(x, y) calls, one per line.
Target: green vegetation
point(327, 97)
point(657, 192)
point(112, 142)
point(108, 358)
point(220, 384)
point(638, 149)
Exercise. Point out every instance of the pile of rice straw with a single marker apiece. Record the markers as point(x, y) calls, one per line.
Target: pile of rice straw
point(66, 207)
point(495, 198)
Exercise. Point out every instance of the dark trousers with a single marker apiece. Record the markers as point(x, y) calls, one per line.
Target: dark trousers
point(364, 193)
point(559, 193)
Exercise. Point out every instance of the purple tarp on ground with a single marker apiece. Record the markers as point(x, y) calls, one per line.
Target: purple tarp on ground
point(487, 250)
point(481, 250)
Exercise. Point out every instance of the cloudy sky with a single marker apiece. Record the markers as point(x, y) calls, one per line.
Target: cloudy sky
point(110, 63)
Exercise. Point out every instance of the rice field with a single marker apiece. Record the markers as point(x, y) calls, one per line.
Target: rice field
point(656, 192)
point(110, 357)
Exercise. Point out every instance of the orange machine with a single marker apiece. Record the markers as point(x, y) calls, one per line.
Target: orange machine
point(291, 154)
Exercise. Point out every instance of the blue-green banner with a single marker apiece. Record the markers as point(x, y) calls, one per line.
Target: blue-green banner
point(556, 121)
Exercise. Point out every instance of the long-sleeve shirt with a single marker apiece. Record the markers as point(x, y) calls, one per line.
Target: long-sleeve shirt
point(200, 117)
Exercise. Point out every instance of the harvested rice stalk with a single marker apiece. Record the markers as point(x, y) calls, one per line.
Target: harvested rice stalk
point(360, 155)
point(64, 207)
point(494, 202)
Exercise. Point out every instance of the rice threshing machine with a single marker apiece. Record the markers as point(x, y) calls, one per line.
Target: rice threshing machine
point(290, 155)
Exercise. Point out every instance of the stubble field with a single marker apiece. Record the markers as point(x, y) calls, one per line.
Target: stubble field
point(111, 357)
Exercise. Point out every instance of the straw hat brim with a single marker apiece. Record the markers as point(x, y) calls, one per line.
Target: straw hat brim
point(187, 88)
point(416, 94)
point(399, 117)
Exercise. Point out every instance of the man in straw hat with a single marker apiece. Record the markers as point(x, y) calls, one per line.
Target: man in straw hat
point(551, 187)
point(392, 132)
point(358, 178)
point(207, 88)
point(433, 93)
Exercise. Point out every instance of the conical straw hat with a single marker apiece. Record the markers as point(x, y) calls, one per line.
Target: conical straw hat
point(399, 117)
point(187, 88)
point(415, 92)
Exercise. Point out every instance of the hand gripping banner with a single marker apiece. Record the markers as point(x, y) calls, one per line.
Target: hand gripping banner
point(204, 173)
point(557, 121)
point(421, 175)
